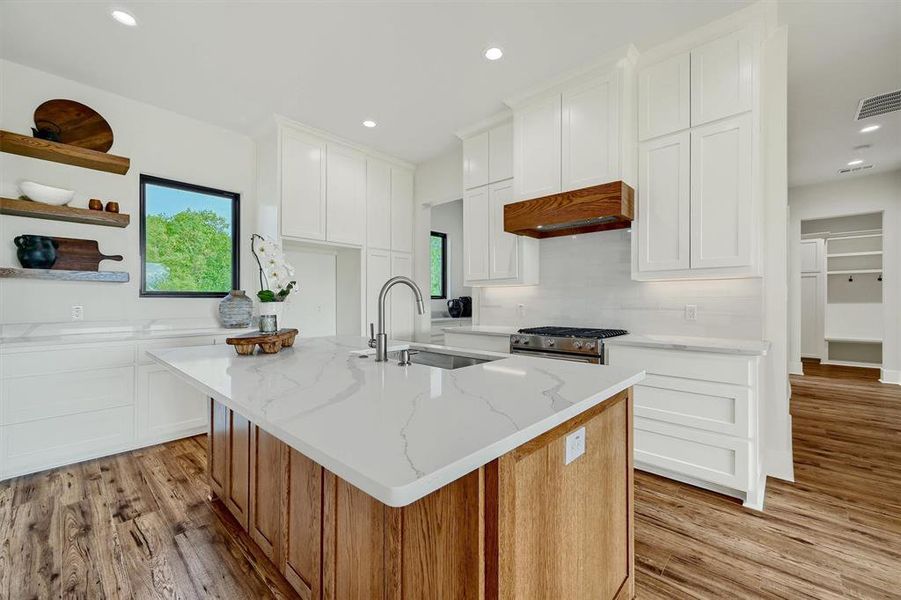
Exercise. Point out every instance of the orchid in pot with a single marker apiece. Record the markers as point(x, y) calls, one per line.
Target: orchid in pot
point(276, 283)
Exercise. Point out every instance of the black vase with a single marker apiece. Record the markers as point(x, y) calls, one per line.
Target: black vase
point(36, 251)
point(455, 308)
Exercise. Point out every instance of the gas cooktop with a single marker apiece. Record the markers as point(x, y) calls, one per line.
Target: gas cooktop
point(576, 332)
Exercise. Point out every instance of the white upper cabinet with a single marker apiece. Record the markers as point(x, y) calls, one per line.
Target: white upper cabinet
point(476, 234)
point(378, 271)
point(590, 134)
point(476, 160)
point(345, 195)
point(303, 167)
point(401, 210)
point(536, 149)
point(500, 152)
point(503, 247)
point(664, 173)
point(403, 303)
point(721, 192)
point(663, 97)
point(722, 77)
point(378, 204)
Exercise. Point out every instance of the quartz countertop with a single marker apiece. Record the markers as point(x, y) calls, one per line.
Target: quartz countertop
point(40, 335)
point(397, 433)
point(693, 344)
point(500, 331)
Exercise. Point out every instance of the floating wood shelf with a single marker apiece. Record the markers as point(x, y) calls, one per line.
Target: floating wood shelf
point(23, 145)
point(27, 208)
point(105, 276)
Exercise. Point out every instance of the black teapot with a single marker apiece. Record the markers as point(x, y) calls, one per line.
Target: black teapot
point(455, 308)
point(36, 251)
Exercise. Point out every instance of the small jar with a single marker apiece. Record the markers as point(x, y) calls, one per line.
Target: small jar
point(268, 323)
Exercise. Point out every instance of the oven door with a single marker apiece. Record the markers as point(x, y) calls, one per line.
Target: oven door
point(580, 358)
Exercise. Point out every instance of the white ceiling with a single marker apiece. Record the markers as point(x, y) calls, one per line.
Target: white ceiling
point(417, 68)
point(839, 53)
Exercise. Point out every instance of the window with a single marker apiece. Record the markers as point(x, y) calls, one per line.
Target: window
point(438, 252)
point(189, 239)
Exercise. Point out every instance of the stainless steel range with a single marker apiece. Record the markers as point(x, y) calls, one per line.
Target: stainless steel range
point(565, 343)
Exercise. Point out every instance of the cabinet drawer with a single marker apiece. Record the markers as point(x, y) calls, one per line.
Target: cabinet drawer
point(23, 364)
point(180, 342)
point(39, 397)
point(168, 407)
point(713, 406)
point(46, 443)
point(706, 366)
point(710, 457)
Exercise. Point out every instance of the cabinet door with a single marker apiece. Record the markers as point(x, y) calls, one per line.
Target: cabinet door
point(590, 135)
point(664, 191)
point(722, 78)
point(345, 195)
point(721, 216)
point(168, 408)
point(217, 449)
point(536, 149)
point(378, 204)
point(378, 271)
point(266, 481)
point(663, 97)
point(401, 210)
point(303, 524)
point(503, 246)
point(403, 303)
point(303, 186)
point(500, 153)
point(475, 161)
point(237, 494)
point(476, 234)
point(810, 256)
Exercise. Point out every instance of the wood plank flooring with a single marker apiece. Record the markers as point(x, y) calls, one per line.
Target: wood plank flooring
point(138, 525)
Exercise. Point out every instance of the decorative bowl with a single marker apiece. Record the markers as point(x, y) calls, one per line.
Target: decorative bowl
point(46, 194)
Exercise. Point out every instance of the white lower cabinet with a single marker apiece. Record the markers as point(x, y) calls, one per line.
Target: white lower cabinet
point(696, 418)
point(61, 405)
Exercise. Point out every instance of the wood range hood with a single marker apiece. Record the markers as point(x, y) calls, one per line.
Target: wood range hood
point(596, 208)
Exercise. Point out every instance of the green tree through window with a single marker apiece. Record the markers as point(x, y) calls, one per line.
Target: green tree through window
point(188, 239)
point(438, 255)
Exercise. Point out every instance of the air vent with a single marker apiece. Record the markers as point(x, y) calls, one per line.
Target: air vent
point(879, 105)
point(854, 169)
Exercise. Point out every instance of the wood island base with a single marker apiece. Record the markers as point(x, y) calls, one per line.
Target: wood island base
point(524, 526)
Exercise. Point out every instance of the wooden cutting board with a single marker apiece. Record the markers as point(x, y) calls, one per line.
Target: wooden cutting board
point(79, 125)
point(79, 255)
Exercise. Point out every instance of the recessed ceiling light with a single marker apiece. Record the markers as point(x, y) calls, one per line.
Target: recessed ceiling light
point(869, 128)
point(493, 53)
point(368, 123)
point(855, 162)
point(123, 17)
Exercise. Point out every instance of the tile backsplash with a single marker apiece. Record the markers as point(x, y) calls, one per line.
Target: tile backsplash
point(586, 281)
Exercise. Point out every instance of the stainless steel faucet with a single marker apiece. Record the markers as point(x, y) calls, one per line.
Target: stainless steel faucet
point(379, 340)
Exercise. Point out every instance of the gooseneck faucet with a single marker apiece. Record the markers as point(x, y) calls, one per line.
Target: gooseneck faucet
point(379, 340)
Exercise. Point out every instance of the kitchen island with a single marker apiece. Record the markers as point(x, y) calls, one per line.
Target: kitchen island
point(360, 479)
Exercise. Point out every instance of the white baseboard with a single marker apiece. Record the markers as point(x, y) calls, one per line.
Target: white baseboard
point(890, 376)
point(796, 368)
point(713, 487)
point(851, 363)
point(779, 464)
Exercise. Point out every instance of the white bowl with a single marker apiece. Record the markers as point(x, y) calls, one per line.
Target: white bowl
point(46, 194)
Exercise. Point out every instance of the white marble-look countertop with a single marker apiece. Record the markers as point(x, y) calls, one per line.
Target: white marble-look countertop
point(692, 344)
point(496, 330)
point(397, 433)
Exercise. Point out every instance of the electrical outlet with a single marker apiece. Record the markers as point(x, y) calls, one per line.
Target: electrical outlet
point(575, 445)
point(691, 312)
point(521, 310)
point(77, 312)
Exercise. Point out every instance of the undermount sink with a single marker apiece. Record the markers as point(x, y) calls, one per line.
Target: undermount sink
point(443, 359)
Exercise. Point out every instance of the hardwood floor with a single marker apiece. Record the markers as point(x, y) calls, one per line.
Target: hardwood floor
point(138, 525)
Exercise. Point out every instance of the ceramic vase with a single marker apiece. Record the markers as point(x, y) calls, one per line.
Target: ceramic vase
point(236, 310)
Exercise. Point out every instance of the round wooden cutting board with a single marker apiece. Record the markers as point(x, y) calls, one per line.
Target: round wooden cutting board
point(79, 125)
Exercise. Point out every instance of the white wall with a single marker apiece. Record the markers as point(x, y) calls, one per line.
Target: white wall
point(854, 195)
point(448, 218)
point(158, 142)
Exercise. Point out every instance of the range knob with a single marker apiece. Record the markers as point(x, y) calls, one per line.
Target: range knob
point(589, 345)
point(514, 339)
point(524, 340)
point(577, 344)
point(552, 343)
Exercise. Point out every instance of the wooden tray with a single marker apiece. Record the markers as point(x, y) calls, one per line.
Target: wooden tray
point(269, 343)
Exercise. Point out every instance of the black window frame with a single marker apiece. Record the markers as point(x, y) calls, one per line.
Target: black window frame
point(443, 237)
point(236, 235)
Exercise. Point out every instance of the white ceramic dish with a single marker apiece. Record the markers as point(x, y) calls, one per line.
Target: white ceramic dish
point(46, 194)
